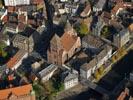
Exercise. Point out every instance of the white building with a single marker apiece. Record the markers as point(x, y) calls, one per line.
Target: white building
point(16, 2)
point(47, 72)
point(121, 38)
point(70, 79)
point(99, 6)
point(88, 69)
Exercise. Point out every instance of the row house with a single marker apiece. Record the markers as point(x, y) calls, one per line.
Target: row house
point(88, 69)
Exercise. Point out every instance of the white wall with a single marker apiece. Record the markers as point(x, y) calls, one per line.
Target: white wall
point(71, 83)
point(16, 2)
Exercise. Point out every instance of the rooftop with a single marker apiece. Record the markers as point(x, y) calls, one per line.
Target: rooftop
point(93, 41)
point(100, 3)
point(17, 91)
point(15, 59)
point(86, 10)
point(97, 58)
point(68, 39)
point(69, 75)
point(47, 70)
point(20, 38)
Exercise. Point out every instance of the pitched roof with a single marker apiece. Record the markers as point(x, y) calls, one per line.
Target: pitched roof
point(86, 10)
point(89, 65)
point(13, 61)
point(94, 41)
point(106, 16)
point(18, 91)
point(68, 41)
point(69, 75)
point(116, 8)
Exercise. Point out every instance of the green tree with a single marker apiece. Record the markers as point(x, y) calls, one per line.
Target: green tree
point(3, 53)
point(105, 32)
point(82, 29)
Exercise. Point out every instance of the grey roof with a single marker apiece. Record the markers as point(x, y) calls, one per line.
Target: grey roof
point(93, 41)
point(69, 75)
point(20, 38)
point(123, 32)
point(47, 70)
point(100, 4)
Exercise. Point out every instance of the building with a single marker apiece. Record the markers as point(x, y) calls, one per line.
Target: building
point(18, 93)
point(63, 48)
point(46, 73)
point(70, 78)
point(96, 29)
point(26, 40)
point(105, 17)
point(86, 12)
point(17, 59)
point(71, 8)
point(131, 29)
point(88, 69)
point(116, 10)
point(3, 13)
point(99, 6)
point(93, 43)
point(23, 42)
point(121, 38)
point(16, 2)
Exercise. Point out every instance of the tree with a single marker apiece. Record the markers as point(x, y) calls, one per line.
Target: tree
point(82, 29)
point(3, 53)
point(105, 32)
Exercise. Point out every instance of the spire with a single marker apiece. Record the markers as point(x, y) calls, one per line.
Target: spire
point(68, 26)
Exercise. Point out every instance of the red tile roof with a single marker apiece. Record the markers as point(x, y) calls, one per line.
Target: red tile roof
point(37, 1)
point(13, 61)
point(5, 19)
point(68, 41)
point(17, 91)
point(116, 8)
